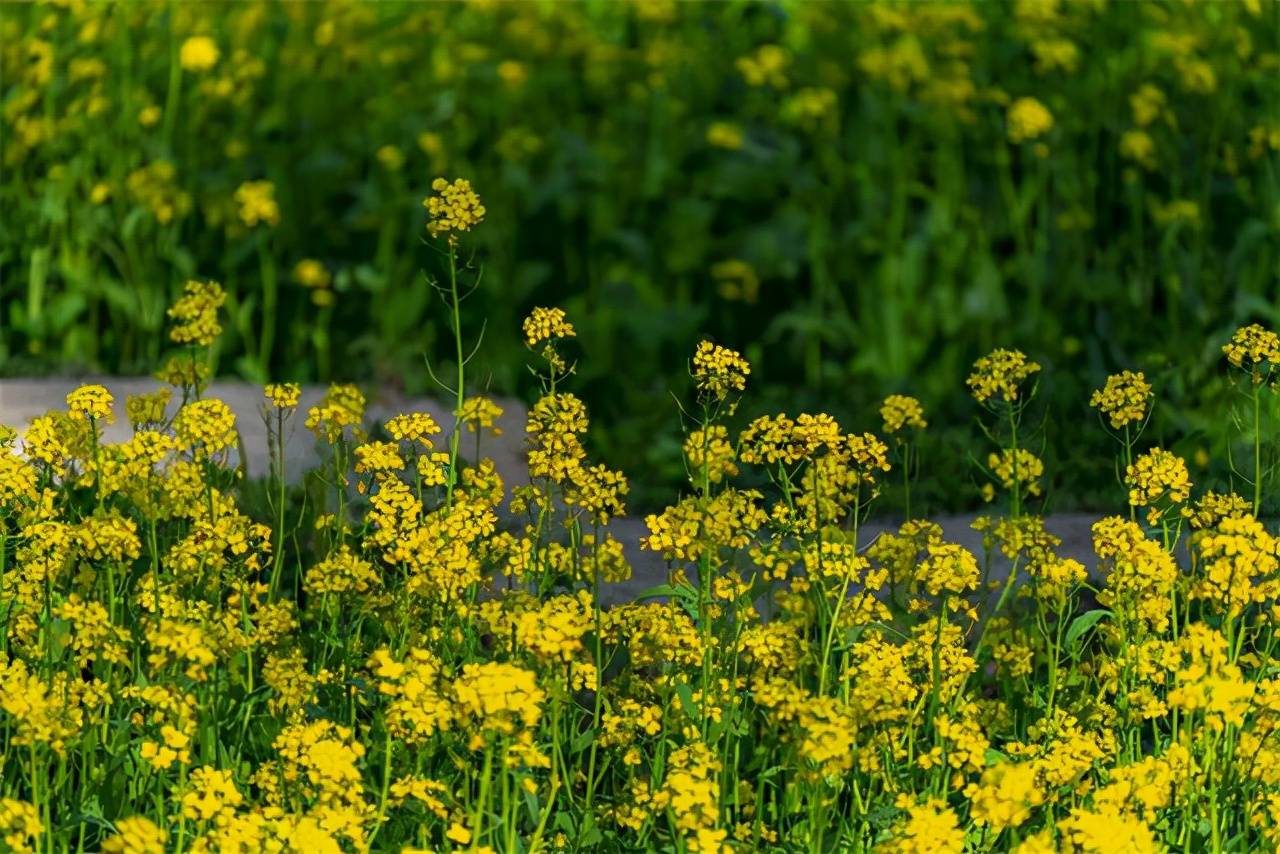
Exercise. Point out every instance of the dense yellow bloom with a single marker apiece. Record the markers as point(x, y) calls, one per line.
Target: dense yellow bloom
point(1022, 468)
point(147, 408)
point(342, 572)
point(205, 428)
point(257, 202)
point(1255, 349)
point(948, 568)
point(1006, 795)
point(724, 135)
point(1238, 564)
point(195, 315)
point(899, 411)
point(1158, 476)
point(1101, 832)
point(1001, 372)
point(766, 67)
point(342, 408)
point(91, 402)
point(1124, 399)
point(930, 828)
point(137, 835)
point(500, 697)
point(282, 395)
point(711, 451)
point(718, 371)
point(213, 793)
point(310, 273)
point(198, 53)
point(545, 324)
point(1028, 119)
point(20, 825)
point(455, 207)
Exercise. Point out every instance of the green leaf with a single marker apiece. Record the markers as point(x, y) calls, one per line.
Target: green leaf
point(670, 590)
point(1083, 623)
point(685, 693)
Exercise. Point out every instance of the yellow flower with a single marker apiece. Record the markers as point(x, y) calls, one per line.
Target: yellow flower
point(513, 73)
point(458, 833)
point(899, 411)
point(736, 280)
point(20, 825)
point(1006, 795)
point(1000, 372)
point(501, 697)
point(136, 835)
point(391, 158)
point(717, 370)
point(212, 793)
point(195, 315)
point(283, 395)
point(724, 135)
point(929, 828)
point(310, 273)
point(1028, 119)
point(198, 53)
point(257, 201)
point(544, 324)
point(205, 428)
point(1029, 469)
point(1137, 145)
point(1158, 477)
point(1255, 349)
point(1100, 832)
point(1147, 104)
point(480, 413)
point(91, 402)
point(766, 67)
point(454, 207)
point(1123, 399)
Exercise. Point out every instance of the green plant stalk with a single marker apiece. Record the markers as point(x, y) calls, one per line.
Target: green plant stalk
point(270, 297)
point(459, 390)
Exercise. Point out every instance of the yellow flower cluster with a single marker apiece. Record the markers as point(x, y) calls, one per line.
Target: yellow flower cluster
point(1021, 469)
point(1124, 399)
point(282, 395)
point(198, 53)
point(499, 697)
point(257, 202)
point(91, 402)
point(1001, 372)
point(454, 207)
point(544, 324)
point(1254, 349)
point(719, 371)
point(1028, 119)
point(900, 411)
point(480, 413)
point(195, 316)
point(1158, 477)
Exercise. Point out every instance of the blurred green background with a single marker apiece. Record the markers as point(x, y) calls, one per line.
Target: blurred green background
point(862, 197)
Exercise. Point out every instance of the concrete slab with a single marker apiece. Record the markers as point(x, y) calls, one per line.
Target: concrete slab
point(24, 399)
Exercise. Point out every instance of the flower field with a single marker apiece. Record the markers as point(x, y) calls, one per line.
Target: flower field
point(743, 260)
point(404, 653)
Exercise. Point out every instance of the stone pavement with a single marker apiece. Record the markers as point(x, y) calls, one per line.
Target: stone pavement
point(24, 399)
